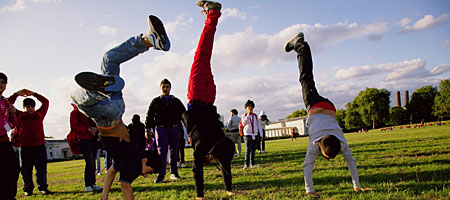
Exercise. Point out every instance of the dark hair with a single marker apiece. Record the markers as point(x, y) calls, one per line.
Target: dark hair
point(153, 160)
point(249, 103)
point(218, 115)
point(4, 77)
point(234, 111)
point(136, 119)
point(29, 102)
point(330, 145)
point(165, 81)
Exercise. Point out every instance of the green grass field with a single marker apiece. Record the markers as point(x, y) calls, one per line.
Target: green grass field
point(399, 164)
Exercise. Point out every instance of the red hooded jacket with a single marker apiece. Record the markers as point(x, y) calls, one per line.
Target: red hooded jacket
point(31, 125)
point(80, 124)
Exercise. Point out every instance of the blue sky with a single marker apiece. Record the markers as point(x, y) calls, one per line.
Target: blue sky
point(398, 45)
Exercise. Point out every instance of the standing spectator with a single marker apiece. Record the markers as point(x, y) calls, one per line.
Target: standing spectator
point(264, 122)
point(86, 132)
point(233, 128)
point(10, 162)
point(137, 132)
point(30, 124)
point(163, 116)
point(181, 145)
point(293, 134)
point(251, 129)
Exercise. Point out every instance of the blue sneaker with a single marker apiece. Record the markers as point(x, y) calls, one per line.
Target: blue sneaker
point(99, 82)
point(157, 34)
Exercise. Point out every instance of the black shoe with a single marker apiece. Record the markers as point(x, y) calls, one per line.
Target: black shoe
point(45, 192)
point(290, 45)
point(28, 193)
point(157, 34)
point(159, 179)
point(96, 82)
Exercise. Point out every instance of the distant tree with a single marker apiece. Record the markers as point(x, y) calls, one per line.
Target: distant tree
point(441, 105)
point(352, 117)
point(373, 106)
point(421, 104)
point(398, 116)
point(297, 113)
point(340, 117)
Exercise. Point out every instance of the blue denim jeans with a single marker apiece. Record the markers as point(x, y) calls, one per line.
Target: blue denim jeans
point(101, 109)
point(33, 157)
point(250, 148)
point(98, 166)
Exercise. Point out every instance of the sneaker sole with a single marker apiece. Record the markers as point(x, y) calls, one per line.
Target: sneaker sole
point(289, 46)
point(156, 24)
point(95, 82)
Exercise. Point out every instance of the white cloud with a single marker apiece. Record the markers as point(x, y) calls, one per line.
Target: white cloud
point(107, 30)
point(17, 6)
point(110, 45)
point(393, 71)
point(181, 22)
point(427, 22)
point(21, 5)
point(446, 42)
point(237, 50)
point(232, 13)
point(405, 21)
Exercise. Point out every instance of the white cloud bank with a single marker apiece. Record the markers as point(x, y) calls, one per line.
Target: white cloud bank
point(107, 30)
point(427, 22)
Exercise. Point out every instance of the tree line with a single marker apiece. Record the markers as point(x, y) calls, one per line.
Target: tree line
point(371, 108)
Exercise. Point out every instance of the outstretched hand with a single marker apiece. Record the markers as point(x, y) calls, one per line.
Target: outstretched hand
point(362, 189)
point(314, 194)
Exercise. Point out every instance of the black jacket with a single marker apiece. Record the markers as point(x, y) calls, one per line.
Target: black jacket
point(164, 113)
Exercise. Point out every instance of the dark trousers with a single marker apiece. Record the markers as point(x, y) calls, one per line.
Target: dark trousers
point(89, 150)
point(305, 66)
point(181, 144)
point(263, 141)
point(250, 148)
point(9, 170)
point(108, 160)
point(167, 143)
point(34, 157)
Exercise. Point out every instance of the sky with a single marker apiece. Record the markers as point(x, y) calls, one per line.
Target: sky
point(397, 45)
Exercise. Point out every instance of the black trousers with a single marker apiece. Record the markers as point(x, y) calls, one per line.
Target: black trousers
point(9, 170)
point(208, 138)
point(89, 150)
point(305, 66)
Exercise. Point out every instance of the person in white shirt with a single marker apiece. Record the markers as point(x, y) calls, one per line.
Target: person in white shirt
point(325, 136)
point(233, 129)
point(250, 129)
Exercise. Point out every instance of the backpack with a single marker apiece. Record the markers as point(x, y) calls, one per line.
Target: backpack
point(73, 143)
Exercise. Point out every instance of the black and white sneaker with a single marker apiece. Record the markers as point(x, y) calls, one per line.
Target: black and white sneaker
point(99, 82)
point(209, 5)
point(157, 34)
point(290, 45)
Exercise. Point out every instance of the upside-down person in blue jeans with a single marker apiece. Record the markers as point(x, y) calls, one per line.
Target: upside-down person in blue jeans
point(100, 98)
point(325, 136)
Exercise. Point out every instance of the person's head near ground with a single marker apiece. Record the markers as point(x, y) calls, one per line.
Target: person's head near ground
point(233, 112)
point(3, 82)
point(29, 105)
point(151, 163)
point(329, 146)
point(165, 86)
point(249, 106)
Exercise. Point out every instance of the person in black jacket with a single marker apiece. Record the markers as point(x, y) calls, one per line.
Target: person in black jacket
point(137, 132)
point(164, 116)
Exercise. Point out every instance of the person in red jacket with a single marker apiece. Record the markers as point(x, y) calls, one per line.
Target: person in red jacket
point(9, 170)
point(86, 132)
point(32, 150)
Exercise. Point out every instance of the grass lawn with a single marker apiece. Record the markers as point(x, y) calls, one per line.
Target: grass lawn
point(399, 164)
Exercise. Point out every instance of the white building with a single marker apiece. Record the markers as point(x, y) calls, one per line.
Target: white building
point(284, 127)
point(58, 150)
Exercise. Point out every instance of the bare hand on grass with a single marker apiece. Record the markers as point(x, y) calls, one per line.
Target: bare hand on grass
point(363, 189)
point(314, 194)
